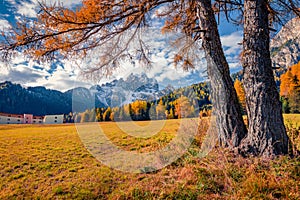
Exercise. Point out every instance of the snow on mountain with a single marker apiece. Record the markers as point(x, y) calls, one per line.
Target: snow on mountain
point(120, 92)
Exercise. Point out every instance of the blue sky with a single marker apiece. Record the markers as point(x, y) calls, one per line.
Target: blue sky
point(64, 75)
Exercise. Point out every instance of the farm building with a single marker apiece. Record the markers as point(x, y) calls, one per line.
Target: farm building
point(6, 118)
point(53, 119)
point(37, 119)
point(11, 118)
point(28, 118)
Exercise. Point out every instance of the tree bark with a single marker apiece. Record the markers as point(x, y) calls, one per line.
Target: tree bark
point(226, 108)
point(266, 133)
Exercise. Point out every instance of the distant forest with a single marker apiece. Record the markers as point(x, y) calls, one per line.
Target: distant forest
point(182, 103)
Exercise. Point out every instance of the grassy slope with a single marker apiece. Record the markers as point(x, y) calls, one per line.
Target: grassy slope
point(51, 162)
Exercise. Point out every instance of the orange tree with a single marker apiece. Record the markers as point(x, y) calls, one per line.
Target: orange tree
point(238, 86)
point(290, 88)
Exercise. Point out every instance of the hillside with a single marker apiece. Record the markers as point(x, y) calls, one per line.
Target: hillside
point(35, 100)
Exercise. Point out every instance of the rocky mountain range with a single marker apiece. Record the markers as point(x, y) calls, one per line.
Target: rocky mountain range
point(41, 101)
point(285, 46)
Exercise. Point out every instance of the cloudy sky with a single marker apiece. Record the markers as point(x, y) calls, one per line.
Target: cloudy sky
point(64, 75)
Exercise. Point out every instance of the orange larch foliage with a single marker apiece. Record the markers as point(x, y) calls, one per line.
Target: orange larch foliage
point(183, 107)
point(290, 80)
point(240, 93)
point(138, 107)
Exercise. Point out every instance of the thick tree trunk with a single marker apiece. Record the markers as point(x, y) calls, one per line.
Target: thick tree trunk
point(266, 134)
point(226, 108)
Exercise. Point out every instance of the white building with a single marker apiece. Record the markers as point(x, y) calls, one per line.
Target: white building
point(11, 119)
point(38, 120)
point(6, 118)
point(53, 119)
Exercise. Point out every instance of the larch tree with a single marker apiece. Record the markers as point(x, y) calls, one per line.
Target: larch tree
point(241, 93)
point(114, 25)
point(289, 80)
point(286, 83)
point(229, 121)
point(266, 133)
point(160, 110)
point(106, 114)
point(290, 88)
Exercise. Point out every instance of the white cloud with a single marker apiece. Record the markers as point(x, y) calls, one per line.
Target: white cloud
point(4, 25)
point(34, 74)
point(59, 80)
point(66, 3)
point(232, 49)
point(231, 43)
point(4, 15)
point(234, 66)
point(21, 74)
point(30, 8)
point(27, 9)
point(232, 40)
point(13, 2)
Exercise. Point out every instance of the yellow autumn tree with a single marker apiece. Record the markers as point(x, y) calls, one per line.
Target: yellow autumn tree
point(296, 70)
point(290, 89)
point(139, 110)
point(290, 80)
point(107, 114)
point(183, 107)
point(160, 110)
point(240, 93)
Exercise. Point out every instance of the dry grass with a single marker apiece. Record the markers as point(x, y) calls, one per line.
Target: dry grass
point(292, 123)
point(50, 162)
point(292, 118)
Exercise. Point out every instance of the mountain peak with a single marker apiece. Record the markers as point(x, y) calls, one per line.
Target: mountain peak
point(285, 46)
point(120, 91)
point(290, 31)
